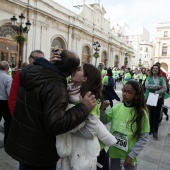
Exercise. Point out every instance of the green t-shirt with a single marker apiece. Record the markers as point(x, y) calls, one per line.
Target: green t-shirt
point(68, 79)
point(105, 80)
point(143, 77)
point(103, 72)
point(119, 115)
point(95, 111)
point(127, 77)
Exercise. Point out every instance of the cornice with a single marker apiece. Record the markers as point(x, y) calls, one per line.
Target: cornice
point(70, 22)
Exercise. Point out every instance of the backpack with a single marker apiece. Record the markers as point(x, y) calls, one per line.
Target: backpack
point(111, 81)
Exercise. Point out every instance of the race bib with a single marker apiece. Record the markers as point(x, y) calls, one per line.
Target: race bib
point(122, 141)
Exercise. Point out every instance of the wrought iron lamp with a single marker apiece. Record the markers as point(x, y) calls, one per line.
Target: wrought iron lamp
point(96, 47)
point(20, 38)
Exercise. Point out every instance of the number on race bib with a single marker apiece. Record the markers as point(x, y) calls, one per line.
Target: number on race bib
point(122, 141)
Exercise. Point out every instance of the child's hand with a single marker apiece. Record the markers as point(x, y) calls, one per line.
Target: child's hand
point(128, 162)
point(106, 103)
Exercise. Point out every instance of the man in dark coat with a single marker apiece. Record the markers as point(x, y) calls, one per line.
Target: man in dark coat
point(40, 112)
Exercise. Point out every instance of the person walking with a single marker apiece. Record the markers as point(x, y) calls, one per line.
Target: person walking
point(164, 110)
point(40, 112)
point(127, 76)
point(136, 75)
point(130, 125)
point(5, 85)
point(108, 87)
point(142, 78)
point(155, 83)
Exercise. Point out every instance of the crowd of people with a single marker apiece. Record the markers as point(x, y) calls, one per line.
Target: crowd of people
point(57, 110)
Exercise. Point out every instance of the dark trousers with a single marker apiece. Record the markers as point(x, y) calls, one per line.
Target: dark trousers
point(155, 112)
point(165, 110)
point(103, 159)
point(5, 113)
point(30, 167)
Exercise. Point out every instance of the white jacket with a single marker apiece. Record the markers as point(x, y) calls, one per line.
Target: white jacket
point(82, 150)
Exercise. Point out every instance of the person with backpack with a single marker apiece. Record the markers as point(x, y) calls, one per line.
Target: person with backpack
point(108, 90)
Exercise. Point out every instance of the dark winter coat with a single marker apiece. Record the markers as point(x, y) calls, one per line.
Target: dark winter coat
point(40, 115)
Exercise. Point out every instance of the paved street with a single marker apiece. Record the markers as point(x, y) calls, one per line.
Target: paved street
point(155, 156)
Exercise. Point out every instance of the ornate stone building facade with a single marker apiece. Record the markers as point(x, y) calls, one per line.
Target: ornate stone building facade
point(54, 26)
point(162, 49)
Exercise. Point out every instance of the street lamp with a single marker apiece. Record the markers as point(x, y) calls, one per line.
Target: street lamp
point(96, 47)
point(20, 31)
point(126, 59)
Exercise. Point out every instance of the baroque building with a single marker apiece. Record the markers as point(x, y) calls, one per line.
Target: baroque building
point(162, 49)
point(54, 26)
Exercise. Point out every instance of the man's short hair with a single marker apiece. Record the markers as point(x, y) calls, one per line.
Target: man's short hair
point(4, 65)
point(68, 64)
point(36, 51)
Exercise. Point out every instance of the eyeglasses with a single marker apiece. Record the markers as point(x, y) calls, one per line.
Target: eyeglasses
point(34, 57)
point(128, 92)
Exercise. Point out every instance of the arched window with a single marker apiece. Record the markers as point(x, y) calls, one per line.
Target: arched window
point(86, 55)
point(58, 43)
point(86, 50)
point(104, 58)
point(7, 31)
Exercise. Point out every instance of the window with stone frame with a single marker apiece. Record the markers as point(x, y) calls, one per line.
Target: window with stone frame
point(146, 49)
point(165, 33)
point(164, 51)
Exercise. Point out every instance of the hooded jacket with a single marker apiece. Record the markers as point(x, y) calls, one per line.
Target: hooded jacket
point(40, 114)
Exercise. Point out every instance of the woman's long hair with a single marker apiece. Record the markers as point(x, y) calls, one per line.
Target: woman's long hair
point(93, 83)
point(159, 70)
point(139, 108)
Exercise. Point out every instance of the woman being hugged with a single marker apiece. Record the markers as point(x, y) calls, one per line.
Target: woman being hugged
point(155, 83)
point(130, 126)
point(80, 147)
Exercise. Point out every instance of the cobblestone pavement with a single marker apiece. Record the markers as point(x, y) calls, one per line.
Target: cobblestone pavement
point(155, 156)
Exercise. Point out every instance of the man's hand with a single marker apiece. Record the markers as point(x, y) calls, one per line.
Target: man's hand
point(128, 162)
point(89, 100)
point(56, 56)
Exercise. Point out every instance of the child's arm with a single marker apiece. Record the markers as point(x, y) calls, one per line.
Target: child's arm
point(142, 141)
point(90, 128)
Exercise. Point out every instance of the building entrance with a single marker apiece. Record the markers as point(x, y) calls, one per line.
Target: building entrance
point(8, 47)
point(9, 51)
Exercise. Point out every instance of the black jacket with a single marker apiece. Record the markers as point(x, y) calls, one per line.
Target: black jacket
point(40, 115)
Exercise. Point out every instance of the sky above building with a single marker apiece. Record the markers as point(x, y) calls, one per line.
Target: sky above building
point(135, 13)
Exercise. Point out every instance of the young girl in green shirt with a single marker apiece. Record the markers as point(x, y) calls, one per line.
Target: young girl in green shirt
point(130, 126)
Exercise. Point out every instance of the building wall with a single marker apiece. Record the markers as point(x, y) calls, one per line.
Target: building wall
point(163, 41)
point(146, 54)
point(51, 21)
point(137, 38)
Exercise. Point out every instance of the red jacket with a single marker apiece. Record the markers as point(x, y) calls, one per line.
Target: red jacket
point(164, 75)
point(13, 93)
